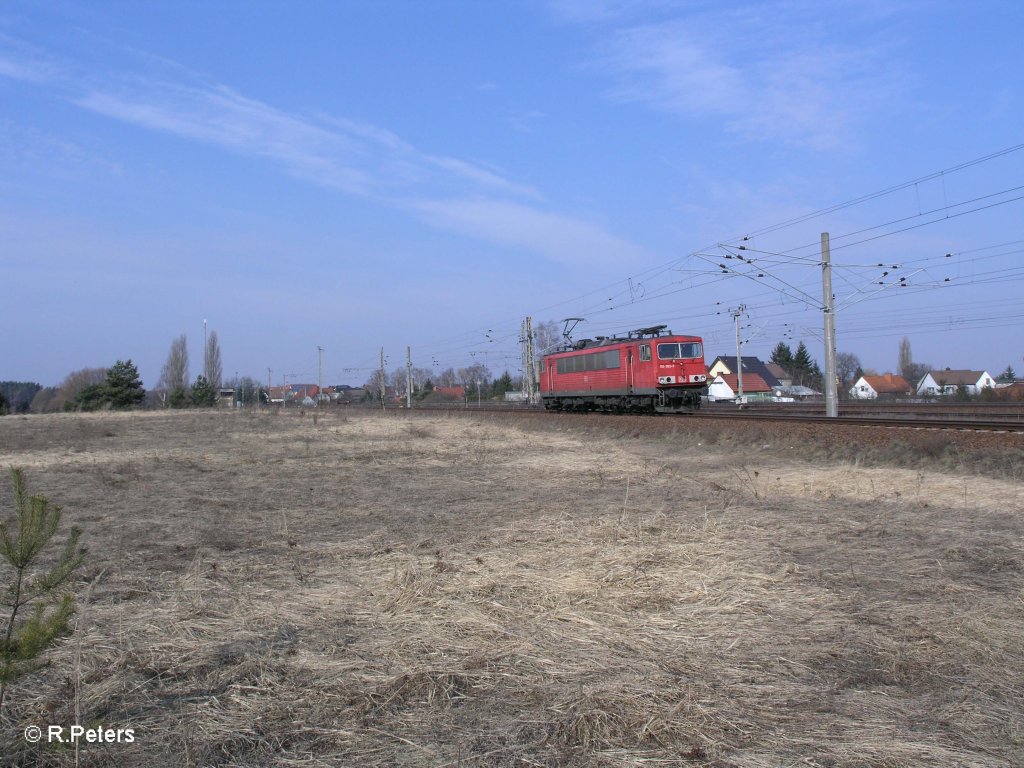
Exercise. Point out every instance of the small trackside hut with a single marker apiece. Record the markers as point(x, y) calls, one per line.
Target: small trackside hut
point(651, 370)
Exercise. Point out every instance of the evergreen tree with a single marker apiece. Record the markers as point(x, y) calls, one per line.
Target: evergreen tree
point(1009, 375)
point(91, 397)
point(124, 387)
point(501, 385)
point(804, 369)
point(203, 395)
point(802, 359)
point(783, 355)
point(4, 407)
point(178, 397)
point(18, 395)
point(22, 539)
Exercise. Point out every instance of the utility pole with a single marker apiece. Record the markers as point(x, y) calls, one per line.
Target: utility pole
point(529, 363)
point(829, 309)
point(268, 385)
point(383, 382)
point(206, 356)
point(739, 352)
point(408, 377)
point(320, 375)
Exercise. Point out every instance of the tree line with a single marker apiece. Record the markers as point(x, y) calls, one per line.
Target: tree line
point(119, 386)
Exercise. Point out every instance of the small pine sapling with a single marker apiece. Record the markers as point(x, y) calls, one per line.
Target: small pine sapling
point(34, 588)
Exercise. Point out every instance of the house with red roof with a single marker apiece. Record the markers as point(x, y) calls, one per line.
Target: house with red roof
point(885, 386)
point(455, 393)
point(726, 387)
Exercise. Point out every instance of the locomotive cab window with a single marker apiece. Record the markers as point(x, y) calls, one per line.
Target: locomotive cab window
point(645, 351)
point(681, 351)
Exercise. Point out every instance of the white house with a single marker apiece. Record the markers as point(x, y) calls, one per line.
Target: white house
point(947, 382)
point(725, 387)
point(886, 385)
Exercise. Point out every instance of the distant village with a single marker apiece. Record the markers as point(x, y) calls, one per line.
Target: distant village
point(771, 382)
point(760, 381)
point(753, 380)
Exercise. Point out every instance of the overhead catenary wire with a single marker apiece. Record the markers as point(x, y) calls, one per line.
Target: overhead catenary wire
point(618, 305)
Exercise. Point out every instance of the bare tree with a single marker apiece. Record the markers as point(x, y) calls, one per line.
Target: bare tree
point(473, 375)
point(214, 369)
point(42, 402)
point(373, 384)
point(547, 336)
point(397, 379)
point(447, 378)
point(909, 370)
point(74, 383)
point(174, 376)
point(420, 377)
point(847, 365)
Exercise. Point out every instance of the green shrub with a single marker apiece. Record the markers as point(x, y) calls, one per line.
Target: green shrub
point(31, 586)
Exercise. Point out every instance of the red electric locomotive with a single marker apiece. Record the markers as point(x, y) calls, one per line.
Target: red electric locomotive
point(651, 370)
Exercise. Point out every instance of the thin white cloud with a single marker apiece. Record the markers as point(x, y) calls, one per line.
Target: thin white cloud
point(20, 61)
point(767, 71)
point(339, 153)
point(224, 118)
point(563, 239)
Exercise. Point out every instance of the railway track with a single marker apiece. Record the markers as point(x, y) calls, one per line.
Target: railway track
point(902, 422)
point(993, 422)
point(978, 411)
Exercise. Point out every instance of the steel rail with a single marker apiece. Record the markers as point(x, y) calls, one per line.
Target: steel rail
point(963, 424)
point(875, 421)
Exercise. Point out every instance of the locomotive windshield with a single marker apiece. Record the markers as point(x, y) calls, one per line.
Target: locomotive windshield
point(682, 351)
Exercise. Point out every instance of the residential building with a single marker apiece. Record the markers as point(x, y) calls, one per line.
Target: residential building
point(948, 382)
point(725, 387)
point(726, 364)
point(887, 385)
point(455, 393)
point(785, 378)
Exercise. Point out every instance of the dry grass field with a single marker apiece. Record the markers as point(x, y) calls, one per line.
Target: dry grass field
point(449, 590)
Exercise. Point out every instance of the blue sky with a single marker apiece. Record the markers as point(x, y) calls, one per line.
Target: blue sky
point(358, 175)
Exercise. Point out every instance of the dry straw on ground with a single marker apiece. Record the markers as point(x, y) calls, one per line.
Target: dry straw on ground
point(438, 590)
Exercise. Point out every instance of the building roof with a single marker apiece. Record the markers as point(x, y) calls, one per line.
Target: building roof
point(955, 378)
point(751, 365)
point(751, 381)
point(796, 390)
point(451, 391)
point(889, 384)
point(778, 371)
